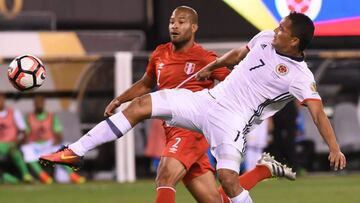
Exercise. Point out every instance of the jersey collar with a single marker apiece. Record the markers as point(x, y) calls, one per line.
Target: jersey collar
point(298, 59)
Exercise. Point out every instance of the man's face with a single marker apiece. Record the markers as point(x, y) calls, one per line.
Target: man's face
point(181, 28)
point(283, 36)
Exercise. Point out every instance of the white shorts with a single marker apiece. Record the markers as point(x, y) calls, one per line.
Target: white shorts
point(200, 112)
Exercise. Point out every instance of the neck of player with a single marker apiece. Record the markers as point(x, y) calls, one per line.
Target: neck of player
point(291, 52)
point(183, 46)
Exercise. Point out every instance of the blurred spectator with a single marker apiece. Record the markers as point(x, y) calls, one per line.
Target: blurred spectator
point(155, 143)
point(12, 127)
point(43, 135)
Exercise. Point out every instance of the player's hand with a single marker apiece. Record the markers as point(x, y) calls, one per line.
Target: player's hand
point(337, 160)
point(203, 75)
point(109, 110)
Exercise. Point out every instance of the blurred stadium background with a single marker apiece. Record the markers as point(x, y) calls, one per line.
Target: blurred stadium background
point(94, 49)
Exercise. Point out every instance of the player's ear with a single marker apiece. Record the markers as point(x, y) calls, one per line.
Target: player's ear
point(194, 28)
point(295, 42)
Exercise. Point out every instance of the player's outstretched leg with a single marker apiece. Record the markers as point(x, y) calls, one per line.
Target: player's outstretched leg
point(108, 130)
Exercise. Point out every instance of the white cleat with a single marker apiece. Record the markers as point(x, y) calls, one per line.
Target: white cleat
point(276, 168)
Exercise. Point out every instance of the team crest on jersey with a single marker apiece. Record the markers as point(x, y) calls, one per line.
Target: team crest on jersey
point(281, 69)
point(313, 87)
point(189, 68)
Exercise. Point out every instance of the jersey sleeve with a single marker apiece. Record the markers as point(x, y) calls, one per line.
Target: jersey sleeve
point(304, 88)
point(219, 73)
point(258, 37)
point(151, 66)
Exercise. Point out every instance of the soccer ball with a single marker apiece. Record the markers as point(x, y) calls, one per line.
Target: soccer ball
point(26, 72)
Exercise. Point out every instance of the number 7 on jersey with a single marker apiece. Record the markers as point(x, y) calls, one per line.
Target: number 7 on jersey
point(258, 66)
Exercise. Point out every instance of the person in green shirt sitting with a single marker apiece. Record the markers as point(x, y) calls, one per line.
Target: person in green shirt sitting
point(12, 127)
point(44, 135)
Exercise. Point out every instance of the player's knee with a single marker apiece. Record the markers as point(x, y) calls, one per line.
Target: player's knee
point(166, 177)
point(139, 106)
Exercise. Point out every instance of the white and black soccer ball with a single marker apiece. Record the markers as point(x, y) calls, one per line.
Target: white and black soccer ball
point(26, 72)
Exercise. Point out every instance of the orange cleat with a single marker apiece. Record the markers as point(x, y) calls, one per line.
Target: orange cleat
point(63, 156)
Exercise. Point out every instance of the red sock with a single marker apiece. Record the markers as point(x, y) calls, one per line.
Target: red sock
point(249, 179)
point(165, 195)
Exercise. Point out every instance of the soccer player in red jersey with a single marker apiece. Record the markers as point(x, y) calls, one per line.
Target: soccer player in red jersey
point(184, 157)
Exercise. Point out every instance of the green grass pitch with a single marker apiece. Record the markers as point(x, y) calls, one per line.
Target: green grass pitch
point(309, 189)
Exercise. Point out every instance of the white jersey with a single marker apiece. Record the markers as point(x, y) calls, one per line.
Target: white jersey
point(262, 83)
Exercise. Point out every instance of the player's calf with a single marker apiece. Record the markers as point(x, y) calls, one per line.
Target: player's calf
point(229, 181)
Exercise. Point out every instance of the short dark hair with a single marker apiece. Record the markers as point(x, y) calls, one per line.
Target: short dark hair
point(303, 28)
point(193, 14)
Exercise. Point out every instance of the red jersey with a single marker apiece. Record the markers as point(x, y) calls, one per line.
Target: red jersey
point(169, 69)
point(41, 130)
point(8, 129)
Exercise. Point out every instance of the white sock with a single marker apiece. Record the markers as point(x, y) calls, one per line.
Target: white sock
point(243, 197)
point(108, 130)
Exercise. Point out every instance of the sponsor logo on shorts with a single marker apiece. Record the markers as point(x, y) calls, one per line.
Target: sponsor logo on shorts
point(173, 150)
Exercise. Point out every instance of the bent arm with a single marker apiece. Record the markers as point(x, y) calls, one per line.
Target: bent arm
point(139, 88)
point(230, 58)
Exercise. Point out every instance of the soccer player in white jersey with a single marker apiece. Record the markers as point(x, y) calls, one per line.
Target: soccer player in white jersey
point(271, 73)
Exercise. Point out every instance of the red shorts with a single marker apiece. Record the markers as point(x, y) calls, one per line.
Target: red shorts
point(190, 148)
